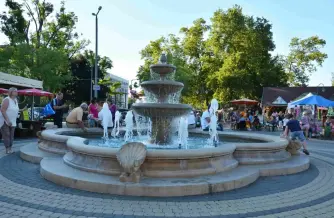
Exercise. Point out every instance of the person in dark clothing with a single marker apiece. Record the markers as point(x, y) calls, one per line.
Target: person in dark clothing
point(58, 106)
point(293, 126)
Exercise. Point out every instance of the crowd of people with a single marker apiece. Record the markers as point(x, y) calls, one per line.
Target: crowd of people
point(94, 112)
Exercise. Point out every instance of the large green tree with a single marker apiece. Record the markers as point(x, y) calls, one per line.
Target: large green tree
point(304, 58)
point(230, 58)
point(40, 44)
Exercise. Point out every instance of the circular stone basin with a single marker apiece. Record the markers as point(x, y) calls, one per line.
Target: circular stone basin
point(161, 110)
point(158, 162)
point(163, 69)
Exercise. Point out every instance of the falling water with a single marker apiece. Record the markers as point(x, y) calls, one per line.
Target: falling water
point(183, 132)
point(106, 117)
point(128, 126)
point(214, 139)
point(115, 130)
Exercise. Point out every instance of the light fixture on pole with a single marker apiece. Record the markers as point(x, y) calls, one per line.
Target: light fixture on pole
point(96, 48)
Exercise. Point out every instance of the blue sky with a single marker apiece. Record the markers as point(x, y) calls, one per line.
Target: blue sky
point(127, 26)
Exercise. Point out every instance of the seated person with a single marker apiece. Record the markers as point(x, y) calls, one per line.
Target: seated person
point(74, 119)
point(256, 123)
point(206, 119)
point(191, 120)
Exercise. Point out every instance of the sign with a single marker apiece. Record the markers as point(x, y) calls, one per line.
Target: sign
point(96, 87)
point(279, 100)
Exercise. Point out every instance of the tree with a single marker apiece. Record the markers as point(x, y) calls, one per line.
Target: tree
point(304, 58)
point(233, 61)
point(33, 42)
point(82, 66)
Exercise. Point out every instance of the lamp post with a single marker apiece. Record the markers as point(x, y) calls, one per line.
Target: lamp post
point(96, 47)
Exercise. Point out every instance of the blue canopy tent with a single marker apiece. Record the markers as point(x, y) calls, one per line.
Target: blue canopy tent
point(314, 100)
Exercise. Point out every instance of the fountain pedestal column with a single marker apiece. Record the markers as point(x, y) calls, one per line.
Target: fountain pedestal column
point(161, 131)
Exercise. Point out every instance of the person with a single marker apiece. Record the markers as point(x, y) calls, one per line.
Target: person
point(113, 109)
point(206, 119)
point(93, 113)
point(74, 119)
point(305, 122)
point(296, 132)
point(9, 113)
point(191, 120)
point(58, 106)
point(285, 121)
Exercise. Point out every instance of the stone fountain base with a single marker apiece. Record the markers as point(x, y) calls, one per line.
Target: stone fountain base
point(55, 170)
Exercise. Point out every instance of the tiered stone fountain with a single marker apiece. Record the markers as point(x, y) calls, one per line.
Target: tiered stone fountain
point(134, 169)
point(161, 111)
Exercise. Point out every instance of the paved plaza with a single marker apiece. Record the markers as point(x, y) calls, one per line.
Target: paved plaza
point(23, 193)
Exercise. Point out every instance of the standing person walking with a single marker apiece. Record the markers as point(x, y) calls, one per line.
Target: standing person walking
point(58, 106)
point(9, 112)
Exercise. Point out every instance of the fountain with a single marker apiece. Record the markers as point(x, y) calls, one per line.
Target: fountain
point(71, 157)
point(161, 112)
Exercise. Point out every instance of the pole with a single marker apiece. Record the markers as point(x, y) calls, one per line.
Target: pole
point(96, 55)
point(91, 83)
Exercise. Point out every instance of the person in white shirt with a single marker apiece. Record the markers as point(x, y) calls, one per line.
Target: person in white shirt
point(191, 120)
point(206, 119)
point(9, 113)
point(285, 121)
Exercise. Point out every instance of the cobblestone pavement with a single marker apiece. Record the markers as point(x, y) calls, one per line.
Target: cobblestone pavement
point(23, 193)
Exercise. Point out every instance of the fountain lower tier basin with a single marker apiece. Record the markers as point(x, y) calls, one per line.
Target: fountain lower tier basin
point(162, 89)
point(161, 110)
point(158, 163)
point(56, 171)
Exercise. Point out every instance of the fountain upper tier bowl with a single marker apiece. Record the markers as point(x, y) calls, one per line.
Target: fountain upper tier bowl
point(163, 69)
point(161, 109)
point(162, 89)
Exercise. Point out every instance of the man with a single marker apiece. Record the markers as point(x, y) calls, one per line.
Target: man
point(293, 126)
point(58, 106)
point(206, 119)
point(113, 109)
point(74, 119)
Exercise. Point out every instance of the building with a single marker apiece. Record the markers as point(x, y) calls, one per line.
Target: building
point(281, 96)
point(121, 100)
point(9, 80)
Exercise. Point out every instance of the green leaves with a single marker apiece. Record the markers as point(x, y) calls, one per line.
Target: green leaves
point(39, 47)
point(228, 59)
point(304, 58)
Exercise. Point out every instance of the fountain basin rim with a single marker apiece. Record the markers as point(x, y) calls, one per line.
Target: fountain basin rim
point(269, 142)
point(59, 135)
point(78, 144)
point(162, 82)
point(161, 105)
point(162, 65)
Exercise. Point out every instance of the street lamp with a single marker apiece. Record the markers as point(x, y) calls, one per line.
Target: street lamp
point(96, 47)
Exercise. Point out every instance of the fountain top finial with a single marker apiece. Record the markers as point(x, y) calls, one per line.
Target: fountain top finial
point(163, 58)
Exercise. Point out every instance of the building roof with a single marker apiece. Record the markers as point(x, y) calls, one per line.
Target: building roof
point(276, 96)
point(13, 80)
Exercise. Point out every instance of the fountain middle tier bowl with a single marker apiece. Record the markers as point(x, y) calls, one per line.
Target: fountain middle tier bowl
point(163, 69)
point(161, 109)
point(162, 88)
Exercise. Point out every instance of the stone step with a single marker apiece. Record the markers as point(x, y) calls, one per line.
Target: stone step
point(33, 154)
point(55, 170)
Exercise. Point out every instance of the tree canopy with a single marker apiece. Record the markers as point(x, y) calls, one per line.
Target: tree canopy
point(230, 57)
point(41, 41)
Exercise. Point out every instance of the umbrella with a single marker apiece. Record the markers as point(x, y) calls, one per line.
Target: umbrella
point(3, 91)
point(33, 93)
point(314, 100)
point(244, 101)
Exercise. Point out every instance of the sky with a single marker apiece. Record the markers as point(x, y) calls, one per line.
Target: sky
point(127, 26)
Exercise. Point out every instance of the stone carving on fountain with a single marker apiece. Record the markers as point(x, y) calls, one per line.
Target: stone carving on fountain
point(131, 156)
point(293, 147)
point(161, 110)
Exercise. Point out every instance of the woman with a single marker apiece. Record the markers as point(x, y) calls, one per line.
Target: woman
point(93, 112)
point(9, 112)
point(305, 123)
